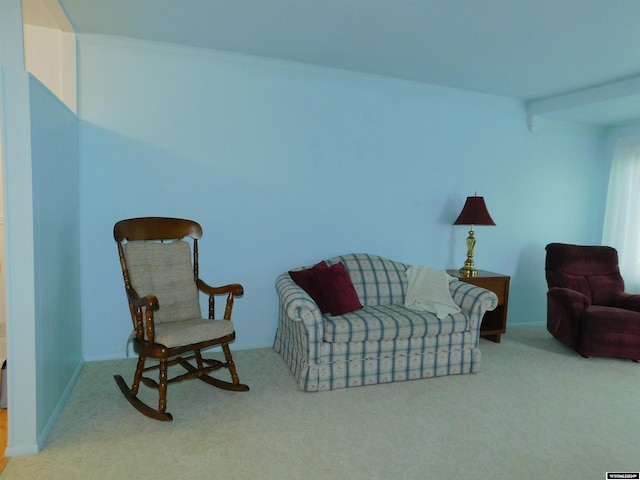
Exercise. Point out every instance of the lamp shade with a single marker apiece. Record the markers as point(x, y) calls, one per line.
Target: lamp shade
point(474, 212)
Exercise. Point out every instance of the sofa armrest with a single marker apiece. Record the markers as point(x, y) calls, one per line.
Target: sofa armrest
point(473, 301)
point(296, 309)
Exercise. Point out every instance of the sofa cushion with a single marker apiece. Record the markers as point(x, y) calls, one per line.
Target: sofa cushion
point(377, 280)
point(388, 322)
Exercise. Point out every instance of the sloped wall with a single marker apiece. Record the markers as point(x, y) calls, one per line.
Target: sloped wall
point(286, 164)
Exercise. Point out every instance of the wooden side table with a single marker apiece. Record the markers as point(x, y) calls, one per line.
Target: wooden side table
point(494, 323)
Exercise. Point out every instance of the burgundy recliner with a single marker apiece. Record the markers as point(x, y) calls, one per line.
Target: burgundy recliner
point(587, 308)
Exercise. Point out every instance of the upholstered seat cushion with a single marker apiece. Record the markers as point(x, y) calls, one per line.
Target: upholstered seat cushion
point(611, 320)
point(187, 332)
point(389, 322)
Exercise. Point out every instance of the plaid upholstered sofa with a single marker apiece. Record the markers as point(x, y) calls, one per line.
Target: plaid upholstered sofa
point(383, 341)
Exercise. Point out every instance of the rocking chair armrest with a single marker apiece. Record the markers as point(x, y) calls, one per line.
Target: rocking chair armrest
point(150, 302)
point(143, 320)
point(233, 288)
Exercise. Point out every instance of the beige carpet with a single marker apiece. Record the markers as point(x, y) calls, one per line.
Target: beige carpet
point(535, 411)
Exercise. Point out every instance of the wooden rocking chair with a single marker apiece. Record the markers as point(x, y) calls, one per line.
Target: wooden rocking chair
point(162, 287)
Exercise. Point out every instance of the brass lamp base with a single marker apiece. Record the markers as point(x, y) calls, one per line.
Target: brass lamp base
point(469, 268)
point(469, 271)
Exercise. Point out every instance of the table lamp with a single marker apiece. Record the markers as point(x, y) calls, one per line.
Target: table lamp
point(473, 213)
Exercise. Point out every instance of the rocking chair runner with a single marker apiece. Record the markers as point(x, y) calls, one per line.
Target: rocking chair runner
point(162, 287)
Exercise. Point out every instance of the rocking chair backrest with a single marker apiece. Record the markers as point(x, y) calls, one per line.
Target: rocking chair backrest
point(164, 270)
point(156, 261)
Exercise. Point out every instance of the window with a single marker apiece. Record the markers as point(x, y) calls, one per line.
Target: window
point(622, 214)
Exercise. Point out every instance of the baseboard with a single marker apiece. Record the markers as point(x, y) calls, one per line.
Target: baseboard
point(527, 324)
point(123, 356)
point(105, 358)
point(32, 449)
point(22, 450)
point(46, 431)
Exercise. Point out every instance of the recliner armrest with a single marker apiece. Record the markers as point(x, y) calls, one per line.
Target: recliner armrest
point(628, 301)
point(574, 302)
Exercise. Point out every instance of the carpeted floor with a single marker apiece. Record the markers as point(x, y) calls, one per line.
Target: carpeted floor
point(535, 411)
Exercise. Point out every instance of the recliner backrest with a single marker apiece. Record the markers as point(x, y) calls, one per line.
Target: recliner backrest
point(589, 269)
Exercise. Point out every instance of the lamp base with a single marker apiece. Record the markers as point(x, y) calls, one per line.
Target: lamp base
point(469, 271)
point(469, 268)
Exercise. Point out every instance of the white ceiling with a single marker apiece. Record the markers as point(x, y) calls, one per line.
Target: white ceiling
point(540, 51)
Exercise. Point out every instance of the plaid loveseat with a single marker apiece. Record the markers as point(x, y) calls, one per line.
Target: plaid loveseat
point(383, 341)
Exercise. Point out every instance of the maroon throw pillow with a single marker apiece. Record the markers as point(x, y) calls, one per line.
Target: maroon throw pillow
point(336, 290)
point(306, 280)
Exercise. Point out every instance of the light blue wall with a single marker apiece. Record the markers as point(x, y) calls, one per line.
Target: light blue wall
point(285, 164)
point(56, 220)
point(41, 174)
point(18, 211)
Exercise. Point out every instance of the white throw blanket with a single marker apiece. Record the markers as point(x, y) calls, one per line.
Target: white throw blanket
point(429, 290)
